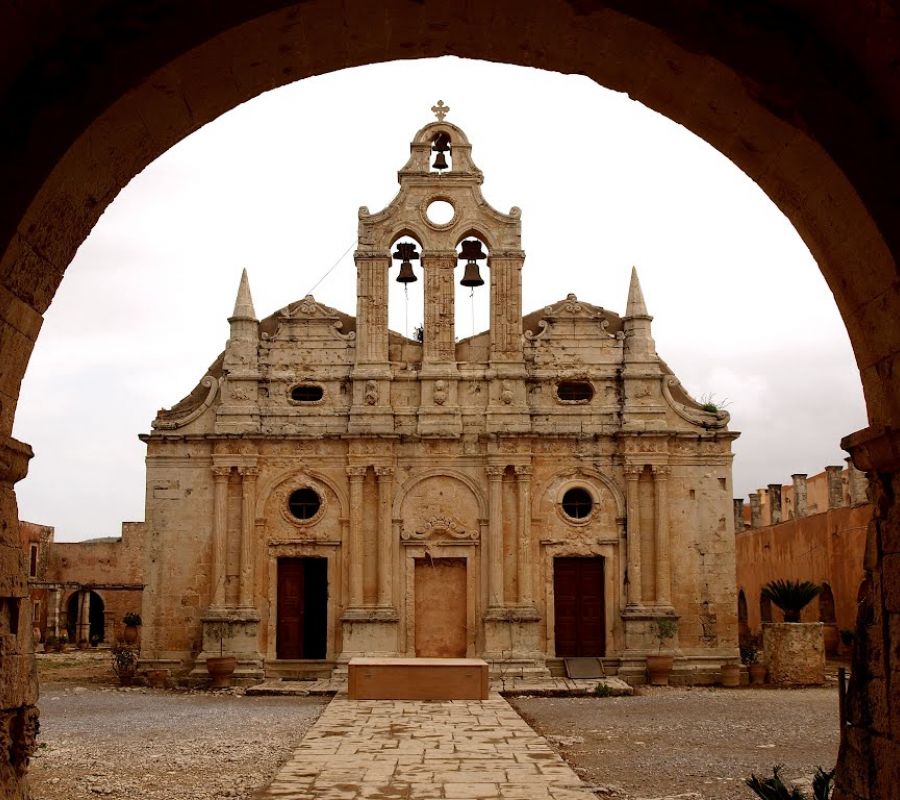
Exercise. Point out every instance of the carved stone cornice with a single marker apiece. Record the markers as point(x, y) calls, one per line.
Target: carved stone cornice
point(14, 458)
point(874, 449)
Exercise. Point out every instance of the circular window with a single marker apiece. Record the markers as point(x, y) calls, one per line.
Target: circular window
point(577, 503)
point(440, 212)
point(304, 503)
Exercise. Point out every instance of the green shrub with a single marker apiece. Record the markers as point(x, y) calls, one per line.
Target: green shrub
point(774, 788)
point(132, 619)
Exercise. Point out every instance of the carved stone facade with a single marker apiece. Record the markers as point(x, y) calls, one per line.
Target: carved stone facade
point(299, 496)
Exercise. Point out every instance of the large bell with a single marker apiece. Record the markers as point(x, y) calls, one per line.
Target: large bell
point(472, 276)
point(406, 273)
point(407, 252)
point(441, 144)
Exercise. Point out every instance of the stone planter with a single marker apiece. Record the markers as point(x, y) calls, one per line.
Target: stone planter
point(794, 653)
point(130, 634)
point(730, 676)
point(658, 670)
point(221, 669)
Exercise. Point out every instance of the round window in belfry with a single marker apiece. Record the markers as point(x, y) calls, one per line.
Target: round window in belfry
point(307, 393)
point(577, 503)
point(439, 212)
point(304, 503)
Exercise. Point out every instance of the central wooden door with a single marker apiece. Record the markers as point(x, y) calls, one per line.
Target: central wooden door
point(302, 608)
point(441, 608)
point(579, 617)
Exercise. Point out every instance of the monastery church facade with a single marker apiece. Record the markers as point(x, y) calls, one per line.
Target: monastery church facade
point(540, 490)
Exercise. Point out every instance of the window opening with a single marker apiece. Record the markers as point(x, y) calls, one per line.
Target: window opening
point(577, 503)
point(304, 503)
point(33, 562)
point(440, 212)
point(575, 391)
point(307, 393)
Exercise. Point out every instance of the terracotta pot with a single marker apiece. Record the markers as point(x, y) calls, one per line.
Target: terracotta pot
point(130, 634)
point(832, 639)
point(221, 669)
point(730, 676)
point(659, 669)
point(126, 678)
point(757, 674)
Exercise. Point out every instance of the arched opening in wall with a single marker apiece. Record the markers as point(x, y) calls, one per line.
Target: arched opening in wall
point(473, 291)
point(96, 619)
point(765, 610)
point(828, 617)
point(73, 611)
point(844, 427)
point(743, 616)
point(406, 307)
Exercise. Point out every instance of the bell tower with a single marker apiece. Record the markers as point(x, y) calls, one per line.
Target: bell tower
point(440, 206)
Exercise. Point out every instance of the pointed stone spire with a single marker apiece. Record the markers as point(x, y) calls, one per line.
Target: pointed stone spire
point(243, 305)
point(636, 306)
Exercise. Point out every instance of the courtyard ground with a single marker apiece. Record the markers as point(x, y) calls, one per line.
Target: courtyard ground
point(691, 744)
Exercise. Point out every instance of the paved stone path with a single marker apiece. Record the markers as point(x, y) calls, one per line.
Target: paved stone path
point(406, 750)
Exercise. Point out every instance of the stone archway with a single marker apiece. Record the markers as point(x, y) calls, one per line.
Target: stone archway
point(804, 98)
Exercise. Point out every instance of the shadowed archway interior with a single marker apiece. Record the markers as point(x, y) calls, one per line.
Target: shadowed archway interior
point(804, 99)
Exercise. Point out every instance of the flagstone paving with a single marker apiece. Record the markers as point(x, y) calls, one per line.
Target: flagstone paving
point(406, 750)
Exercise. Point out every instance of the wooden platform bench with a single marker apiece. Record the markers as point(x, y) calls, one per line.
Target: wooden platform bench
point(417, 679)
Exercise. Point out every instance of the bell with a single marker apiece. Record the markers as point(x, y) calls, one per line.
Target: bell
point(472, 276)
point(471, 250)
point(406, 273)
point(440, 162)
point(406, 251)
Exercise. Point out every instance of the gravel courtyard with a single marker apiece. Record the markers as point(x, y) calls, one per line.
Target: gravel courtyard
point(690, 744)
point(679, 744)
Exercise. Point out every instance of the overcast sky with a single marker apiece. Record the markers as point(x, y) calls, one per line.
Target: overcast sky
point(741, 311)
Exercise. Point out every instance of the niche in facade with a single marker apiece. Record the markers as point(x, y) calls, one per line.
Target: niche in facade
point(575, 391)
point(307, 393)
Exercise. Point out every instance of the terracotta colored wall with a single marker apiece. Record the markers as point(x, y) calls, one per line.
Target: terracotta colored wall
point(826, 547)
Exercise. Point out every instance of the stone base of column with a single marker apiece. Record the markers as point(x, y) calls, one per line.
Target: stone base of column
point(372, 631)
point(512, 644)
point(232, 632)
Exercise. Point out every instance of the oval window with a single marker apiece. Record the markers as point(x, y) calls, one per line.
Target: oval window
point(577, 503)
point(307, 393)
point(304, 503)
point(575, 391)
point(440, 212)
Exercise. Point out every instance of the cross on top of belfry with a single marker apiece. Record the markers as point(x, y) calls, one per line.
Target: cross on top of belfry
point(440, 110)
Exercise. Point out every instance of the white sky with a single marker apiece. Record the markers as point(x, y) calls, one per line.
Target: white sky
point(741, 310)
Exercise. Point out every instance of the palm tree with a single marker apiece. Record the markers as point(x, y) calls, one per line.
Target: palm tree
point(791, 596)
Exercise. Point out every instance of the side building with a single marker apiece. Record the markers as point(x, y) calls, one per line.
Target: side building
point(813, 529)
point(540, 490)
point(83, 589)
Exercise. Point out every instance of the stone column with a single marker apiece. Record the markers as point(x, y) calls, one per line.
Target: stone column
point(439, 346)
point(738, 504)
point(84, 617)
point(801, 497)
point(755, 510)
point(663, 558)
point(506, 306)
point(356, 475)
point(835, 486)
point(219, 537)
point(774, 503)
point(57, 599)
point(523, 562)
point(633, 523)
point(495, 536)
point(248, 535)
point(371, 308)
point(385, 535)
point(859, 486)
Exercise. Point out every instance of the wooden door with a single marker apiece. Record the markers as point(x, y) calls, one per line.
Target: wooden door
point(579, 615)
point(441, 608)
point(302, 608)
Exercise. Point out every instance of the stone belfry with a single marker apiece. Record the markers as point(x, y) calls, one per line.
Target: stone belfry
point(439, 171)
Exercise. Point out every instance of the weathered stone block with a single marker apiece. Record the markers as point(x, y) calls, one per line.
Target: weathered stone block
point(794, 652)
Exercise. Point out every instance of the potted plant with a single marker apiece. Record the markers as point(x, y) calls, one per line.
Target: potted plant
point(124, 663)
point(95, 640)
point(659, 666)
point(221, 667)
point(132, 622)
point(750, 653)
point(795, 651)
point(62, 642)
point(51, 643)
point(791, 596)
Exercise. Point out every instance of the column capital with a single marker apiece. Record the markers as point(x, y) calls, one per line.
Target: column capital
point(249, 473)
point(221, 473)
point(14, 458)
point(523, 473)
point(371, 255)
point(384, 472)
point(495, 472)
point(661, 471)
point(633, 471)
point(356, 472)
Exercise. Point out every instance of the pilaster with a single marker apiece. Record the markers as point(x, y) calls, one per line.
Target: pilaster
point(248, 531)
point(633, 533)
point(219, 536)
point(663, 557)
